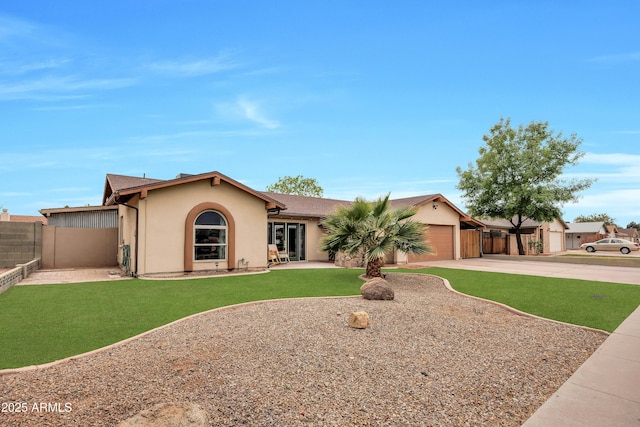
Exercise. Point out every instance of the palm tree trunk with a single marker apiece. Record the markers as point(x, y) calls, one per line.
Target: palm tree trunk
point(374, 267)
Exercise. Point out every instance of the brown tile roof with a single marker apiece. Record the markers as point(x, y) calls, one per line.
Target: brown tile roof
point(504, 223)
point(316, 207)
point(631, 232)
point(527, 223)
point(115, 183)
point(413, 201)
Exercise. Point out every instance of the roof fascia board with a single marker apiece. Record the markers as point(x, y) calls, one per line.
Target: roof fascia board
point(216, 178)
point(48, 212)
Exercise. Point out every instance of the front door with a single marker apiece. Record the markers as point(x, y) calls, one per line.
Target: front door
point(289, 237)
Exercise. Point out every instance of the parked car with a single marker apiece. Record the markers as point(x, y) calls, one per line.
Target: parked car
point(622, 245)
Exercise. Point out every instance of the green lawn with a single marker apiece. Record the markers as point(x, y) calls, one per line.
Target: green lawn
point(599, 305)
point(49, 322)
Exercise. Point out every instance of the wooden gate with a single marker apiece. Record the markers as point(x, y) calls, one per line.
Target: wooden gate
point(470, 244)
point(494, 243)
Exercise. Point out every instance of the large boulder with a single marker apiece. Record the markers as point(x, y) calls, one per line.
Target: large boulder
point(182, 414)
point(359, 320)
point(377, 289)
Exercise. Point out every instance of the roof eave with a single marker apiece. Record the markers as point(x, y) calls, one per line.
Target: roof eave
point(215, 177)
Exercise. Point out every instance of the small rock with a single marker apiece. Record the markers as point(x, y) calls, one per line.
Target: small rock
point(377, 289)
point(359, 320)
point(169, 415)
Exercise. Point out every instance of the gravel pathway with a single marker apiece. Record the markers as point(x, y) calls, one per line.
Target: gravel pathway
point(429, 358)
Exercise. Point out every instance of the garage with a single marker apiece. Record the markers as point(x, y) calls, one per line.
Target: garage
point(555, 241)
point(441, 239)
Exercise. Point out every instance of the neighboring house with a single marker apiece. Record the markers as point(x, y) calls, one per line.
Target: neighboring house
point(500, 238)
point(584, 232)
point(612, 230)
point(629, 234)
point(212, 222)
point(5, 216)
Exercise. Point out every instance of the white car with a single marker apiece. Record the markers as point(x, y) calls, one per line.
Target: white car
point(622, 245)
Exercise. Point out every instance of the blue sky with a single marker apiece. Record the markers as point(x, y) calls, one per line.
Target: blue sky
point(366, 97)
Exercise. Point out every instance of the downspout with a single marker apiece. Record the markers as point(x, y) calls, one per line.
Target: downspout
point(135, 272)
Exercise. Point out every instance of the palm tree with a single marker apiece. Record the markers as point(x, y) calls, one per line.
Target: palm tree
point(372, 230)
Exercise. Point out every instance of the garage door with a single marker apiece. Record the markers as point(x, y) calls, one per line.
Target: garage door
point(440, 237)
point(555, 241)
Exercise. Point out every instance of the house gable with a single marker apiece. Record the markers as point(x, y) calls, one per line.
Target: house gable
point(120, 188)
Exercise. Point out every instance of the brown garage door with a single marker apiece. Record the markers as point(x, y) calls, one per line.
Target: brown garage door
point(441, 239)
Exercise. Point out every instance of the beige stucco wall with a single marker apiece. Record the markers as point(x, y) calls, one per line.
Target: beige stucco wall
point(315, 234)
point(442, 215)
point(65, 247)
point(162, 216)
point(127, 232)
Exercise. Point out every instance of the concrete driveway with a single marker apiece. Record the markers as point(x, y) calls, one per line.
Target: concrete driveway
point(601, 273)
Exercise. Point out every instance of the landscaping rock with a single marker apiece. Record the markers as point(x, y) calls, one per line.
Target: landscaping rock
point(377, 289)
point(183, 414)
point(359, 320)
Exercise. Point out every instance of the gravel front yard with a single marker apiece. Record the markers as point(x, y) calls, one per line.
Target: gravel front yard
point(430, 357)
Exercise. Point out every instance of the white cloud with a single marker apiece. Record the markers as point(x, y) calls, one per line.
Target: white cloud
point(15, 68)
point(617, 191)
point(252, 111)
point(48, 86)
point(246, 109)
point(612, 159)
point(350, 188)
point(13, 194)
point(193, 135)
point(617, 169)
point(629, 132)
point(195, 68)
point(14, 27)
point(621, 204)
point(620, 57)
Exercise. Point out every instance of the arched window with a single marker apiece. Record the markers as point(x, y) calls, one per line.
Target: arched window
point(210, 236)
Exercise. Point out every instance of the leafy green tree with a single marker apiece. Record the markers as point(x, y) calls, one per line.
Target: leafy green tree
point(518, 175)
point(633, 224)
point(297, 185)
point(600, 217)
point(373, 229)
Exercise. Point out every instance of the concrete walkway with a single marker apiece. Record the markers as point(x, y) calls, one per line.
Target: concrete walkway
point(73, 275)
point(605, 390)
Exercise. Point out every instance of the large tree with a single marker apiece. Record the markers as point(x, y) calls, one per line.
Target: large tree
point(633, 224)
point(297, 185)
point(518, 175)
point(373, 229)
point(600, 217)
